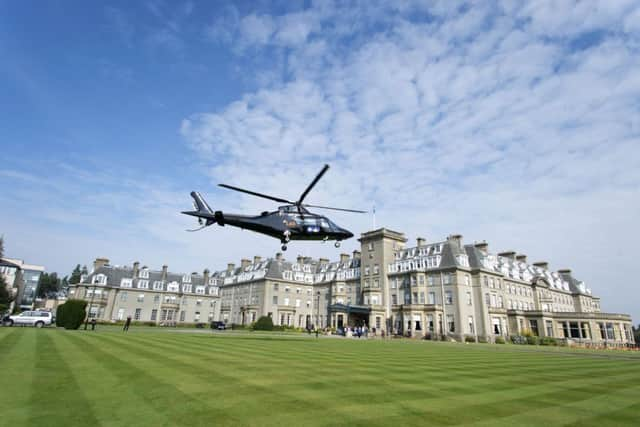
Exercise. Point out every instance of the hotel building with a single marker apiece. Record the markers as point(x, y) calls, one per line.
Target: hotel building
point(432, 289)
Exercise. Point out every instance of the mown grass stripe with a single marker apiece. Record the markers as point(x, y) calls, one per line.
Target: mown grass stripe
point(54, 386)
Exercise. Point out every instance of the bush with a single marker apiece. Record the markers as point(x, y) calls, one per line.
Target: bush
point(500, 340)
point(482, 340)
point(264, 323)
point(548, 341)
point(71, 314)
point(532, 340)
point(518, 339)
point(469, 338)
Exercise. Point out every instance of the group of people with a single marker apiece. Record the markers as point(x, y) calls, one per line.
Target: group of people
point(358, 331)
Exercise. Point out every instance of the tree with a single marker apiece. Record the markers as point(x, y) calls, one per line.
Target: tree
point(76, 274)
point(48, 284)
point(636, 334)
point(5, 295)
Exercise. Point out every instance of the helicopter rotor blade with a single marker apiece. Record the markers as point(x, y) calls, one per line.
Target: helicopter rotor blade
point(334, 209)
point(313, 183)
point(253, 193)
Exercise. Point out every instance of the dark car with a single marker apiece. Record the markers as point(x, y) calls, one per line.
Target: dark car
point(218, 325)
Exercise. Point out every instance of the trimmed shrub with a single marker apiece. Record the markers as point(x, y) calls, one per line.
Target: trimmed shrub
point(532, 340)
point(469, 338)
point(500, 340)
point(71, 314)
point(264, 323)
point(60, 316)
point(548, 341)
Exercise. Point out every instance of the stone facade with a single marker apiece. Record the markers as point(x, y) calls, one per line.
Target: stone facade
point(444, 288)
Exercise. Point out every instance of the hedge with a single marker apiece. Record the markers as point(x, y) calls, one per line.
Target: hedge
point(264, 323)
point(71, 314)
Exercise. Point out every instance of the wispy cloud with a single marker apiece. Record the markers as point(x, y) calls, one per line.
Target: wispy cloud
point(513, 122)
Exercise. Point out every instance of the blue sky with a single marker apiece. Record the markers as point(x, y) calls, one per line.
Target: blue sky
point(512, 122)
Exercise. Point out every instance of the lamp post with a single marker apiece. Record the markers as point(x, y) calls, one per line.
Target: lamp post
point(318, 314)
point(86, 320)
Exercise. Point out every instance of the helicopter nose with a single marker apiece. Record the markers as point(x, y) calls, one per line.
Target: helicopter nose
point(348, 234)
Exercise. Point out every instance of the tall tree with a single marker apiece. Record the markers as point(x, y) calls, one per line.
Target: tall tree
point(636, 334)
point(76, 274)
point(5, 295)
point(48, 284)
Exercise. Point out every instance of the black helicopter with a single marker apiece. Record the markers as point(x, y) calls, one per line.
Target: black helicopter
point(290, 222)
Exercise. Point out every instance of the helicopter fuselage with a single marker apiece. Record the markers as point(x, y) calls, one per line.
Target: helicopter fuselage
point(284, 224)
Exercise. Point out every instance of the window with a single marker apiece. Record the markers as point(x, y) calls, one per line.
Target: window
point(549, 326)
point(415, 298)
point(430, 322)
point(126, 283)
point(431, 298)
point(467, 280)
point(275, 286)
point(297, 302)
point(157, 285)
point(143, 284)
point(138, 314)
point(144, 273)
point(199, 302)
point(275, 300)
point(123, 296)
point(286, 301)
point(448, 297)
point(421, 279)
point(156, 298)
point(140, 298)
point(421, 300)
point(376, 269)
point(183, 314)
point(469, 298)
point(187, 288)
point(154, 314)
point(394, 299)
point(432, 280)
point(366, 271)
point(451, 323)
point(447, 278)
point(370, 246)
point(471, 329)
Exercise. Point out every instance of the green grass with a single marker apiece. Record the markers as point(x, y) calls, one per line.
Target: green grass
point(148, 377)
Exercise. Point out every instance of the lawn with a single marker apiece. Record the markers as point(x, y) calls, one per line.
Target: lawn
point(54, 377)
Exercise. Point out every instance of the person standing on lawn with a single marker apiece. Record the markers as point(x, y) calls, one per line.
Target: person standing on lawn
point(126, 324)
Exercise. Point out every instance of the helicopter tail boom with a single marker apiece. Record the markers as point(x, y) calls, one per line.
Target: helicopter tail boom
point(205, 215)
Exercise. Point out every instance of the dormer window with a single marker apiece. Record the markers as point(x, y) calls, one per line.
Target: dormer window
point(157, 285)
point(186, 278)
point(143, 284)
point(126, 283)
point(186, 288)
point(173, 287)
point(100, 279)
point(200, 290)
point(144, 273)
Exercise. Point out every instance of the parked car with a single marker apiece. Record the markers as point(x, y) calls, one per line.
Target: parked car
point(218, 325)
point(30, 318)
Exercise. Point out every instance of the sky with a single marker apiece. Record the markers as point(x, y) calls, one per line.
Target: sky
point(512, 122)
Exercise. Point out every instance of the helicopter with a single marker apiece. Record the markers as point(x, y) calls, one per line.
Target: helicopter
point(292, 221)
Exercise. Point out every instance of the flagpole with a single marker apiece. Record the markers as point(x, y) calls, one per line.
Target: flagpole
point(374, 216)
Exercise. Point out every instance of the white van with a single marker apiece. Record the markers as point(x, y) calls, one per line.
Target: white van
point(30, 318)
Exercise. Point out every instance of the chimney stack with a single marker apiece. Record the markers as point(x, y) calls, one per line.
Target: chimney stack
point(279, 256)
point(508, 254)
point(420, 241)
point(521, 258)
point(205, 275)
point(565, 272)
point(456, 238)
point(542, 264)
point(323, 261)
point(344, 258)
point(482, 247)
point(257, 259)
point(136, 269)
point(100, 262)
point(307, 259)
point(164, 272)
point(230, 267)
point(244, 263)
point(356, 254)
point(299, 259)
